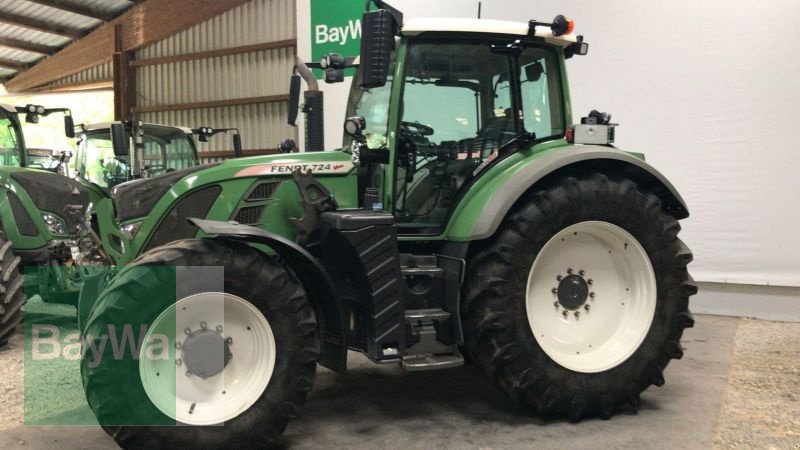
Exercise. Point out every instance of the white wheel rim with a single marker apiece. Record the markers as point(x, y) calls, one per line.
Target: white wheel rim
point(190, 399)
point(621, 303)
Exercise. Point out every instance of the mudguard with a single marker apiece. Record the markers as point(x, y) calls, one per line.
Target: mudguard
point(479, 216)
point(315, 279)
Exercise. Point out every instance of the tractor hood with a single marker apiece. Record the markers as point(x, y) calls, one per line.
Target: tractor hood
point(319, 163)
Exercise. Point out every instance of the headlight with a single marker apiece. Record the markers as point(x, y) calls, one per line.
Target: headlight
point(131, 229)
point(54, 224)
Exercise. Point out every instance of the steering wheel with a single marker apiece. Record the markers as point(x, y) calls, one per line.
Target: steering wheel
point(418, 128)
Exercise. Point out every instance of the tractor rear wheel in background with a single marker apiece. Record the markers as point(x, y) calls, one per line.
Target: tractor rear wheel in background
point(579, 302)
point(237, 376)
point(12, 297)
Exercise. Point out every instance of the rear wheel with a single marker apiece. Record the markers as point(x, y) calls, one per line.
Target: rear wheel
point(12, 297)
point(242, 360)
point(580, 301)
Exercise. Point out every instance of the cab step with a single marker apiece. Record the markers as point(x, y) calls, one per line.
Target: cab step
point(414, 363)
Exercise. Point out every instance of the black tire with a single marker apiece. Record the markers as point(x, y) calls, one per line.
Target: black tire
point(114, 390)
point(498, 334)
point(12, 297)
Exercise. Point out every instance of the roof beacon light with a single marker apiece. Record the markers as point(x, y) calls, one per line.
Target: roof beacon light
point(560, 26)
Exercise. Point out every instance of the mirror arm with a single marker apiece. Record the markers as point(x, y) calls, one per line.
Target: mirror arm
point(305, 72)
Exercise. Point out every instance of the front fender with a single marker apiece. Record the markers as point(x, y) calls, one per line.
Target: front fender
point(316, 281)
point(479, 216)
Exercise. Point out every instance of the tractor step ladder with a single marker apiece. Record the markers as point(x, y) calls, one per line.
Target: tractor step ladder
point(429, 353)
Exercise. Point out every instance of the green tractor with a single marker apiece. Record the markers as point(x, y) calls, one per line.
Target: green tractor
point(48, 222)
point(15, 155)
point(465, 214)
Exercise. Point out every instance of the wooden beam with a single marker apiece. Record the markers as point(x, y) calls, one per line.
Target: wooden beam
point(13, 64)
point(76, 8)
point(31, 47)
point(286, 43)
point(213, 104)
point(124, 79)
point(91, 51)
point(154, 20)
point(78, 86)
point(147, 22)
point(40, 25)
point(230, 154)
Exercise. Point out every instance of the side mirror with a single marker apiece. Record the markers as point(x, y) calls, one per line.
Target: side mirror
point(237, 145)
point(294, 99)
point(120, 140)
point(377, 43)
point(69, 126)
point(533, 72)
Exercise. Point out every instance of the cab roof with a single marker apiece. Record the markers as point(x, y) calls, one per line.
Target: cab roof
point(418, 26)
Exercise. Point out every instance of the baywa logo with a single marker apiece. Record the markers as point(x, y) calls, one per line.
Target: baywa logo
point(47, 344)
point(327, 34)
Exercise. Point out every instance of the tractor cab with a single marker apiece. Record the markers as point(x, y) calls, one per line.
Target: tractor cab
point(106, 157)
point(13, 152)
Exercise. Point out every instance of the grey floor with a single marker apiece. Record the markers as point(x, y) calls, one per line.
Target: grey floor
point(383, 407)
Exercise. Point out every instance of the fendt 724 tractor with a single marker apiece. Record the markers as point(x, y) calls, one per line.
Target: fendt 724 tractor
point(464, 214)
point(48, 224)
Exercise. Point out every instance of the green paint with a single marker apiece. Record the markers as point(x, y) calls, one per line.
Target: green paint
point(335, 28)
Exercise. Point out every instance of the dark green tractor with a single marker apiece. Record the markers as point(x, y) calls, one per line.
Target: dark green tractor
point(465, 214)
point(16, 156)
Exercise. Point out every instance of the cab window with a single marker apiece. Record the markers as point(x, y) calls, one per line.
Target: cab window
point(9, 146)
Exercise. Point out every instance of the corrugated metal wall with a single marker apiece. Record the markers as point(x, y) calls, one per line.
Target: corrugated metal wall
point(248, 75)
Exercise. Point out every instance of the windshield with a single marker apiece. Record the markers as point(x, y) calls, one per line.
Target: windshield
point(165, 149)
point(9, 143)
point(457, 111)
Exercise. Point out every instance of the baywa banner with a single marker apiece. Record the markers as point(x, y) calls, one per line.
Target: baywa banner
point(141, 345)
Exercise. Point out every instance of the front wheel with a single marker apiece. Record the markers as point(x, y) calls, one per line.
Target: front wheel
point(239, 361)
point(580, 300)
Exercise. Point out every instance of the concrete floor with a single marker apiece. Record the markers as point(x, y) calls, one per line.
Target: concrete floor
point(383, 407)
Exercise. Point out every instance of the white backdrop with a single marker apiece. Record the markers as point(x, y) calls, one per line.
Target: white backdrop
point(708, 90)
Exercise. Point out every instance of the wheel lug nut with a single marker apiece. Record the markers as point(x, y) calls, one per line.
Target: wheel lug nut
point(559, 278)
point(581, 272)
point(219, 328)
point(554, 290)
point(188, 374)
point(586, 307)
point(187, 331)
point(555, 304)
point(178, 362)
point(565, 313)
point(577, 314)
point(229, 341)
point(203, 325)
point(589, 281)
point(178, 345)
point(569, 271)
point(591, 294)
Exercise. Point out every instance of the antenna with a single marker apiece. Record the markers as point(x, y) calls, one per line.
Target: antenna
point(479, 10)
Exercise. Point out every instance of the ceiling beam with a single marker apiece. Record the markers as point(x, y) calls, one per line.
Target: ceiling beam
point(32, 47)
point(147, 22)
point(13, 64)
point(76, 8)
point(40, 25)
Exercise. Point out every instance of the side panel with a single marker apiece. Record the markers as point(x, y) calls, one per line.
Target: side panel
point(480, 213)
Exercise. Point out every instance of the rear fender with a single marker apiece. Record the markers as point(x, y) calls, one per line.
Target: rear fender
point(480, 215)
point(316, 281)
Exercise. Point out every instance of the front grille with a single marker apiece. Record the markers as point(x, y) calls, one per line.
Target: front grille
point(264, 191)
point(250, 215)
point(174, 226)
point(25, 224)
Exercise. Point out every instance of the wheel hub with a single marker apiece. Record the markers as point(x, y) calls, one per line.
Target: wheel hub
point(573, 292)
point(206, 353)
